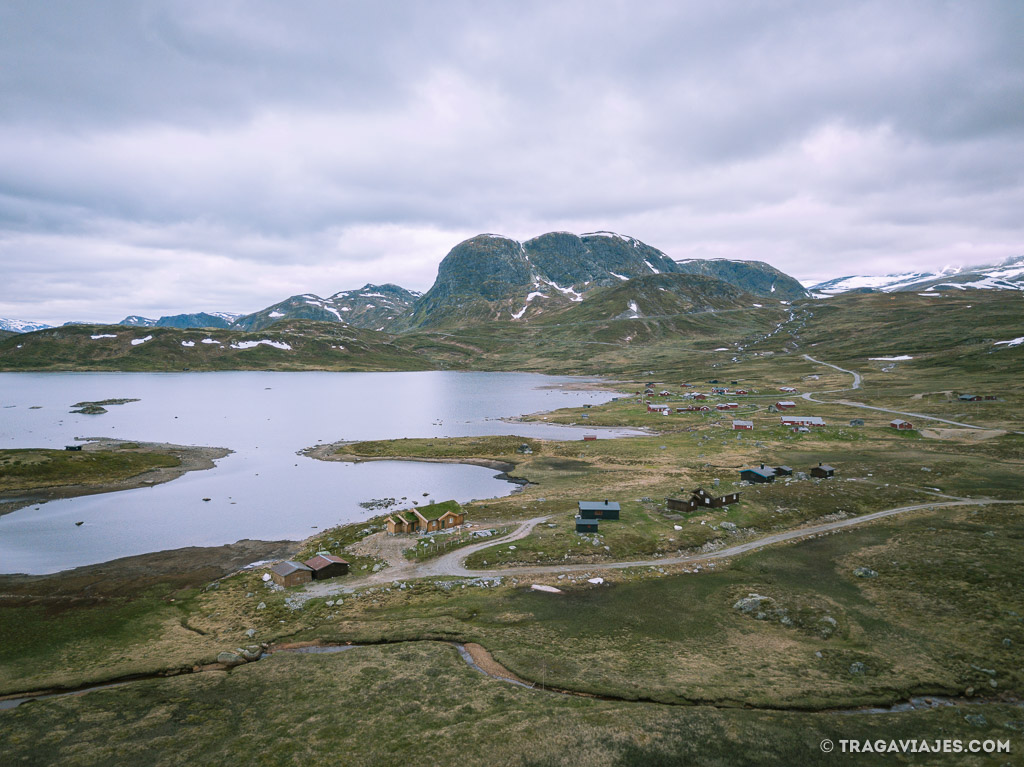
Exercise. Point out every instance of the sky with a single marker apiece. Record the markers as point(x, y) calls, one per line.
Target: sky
point(160, 157)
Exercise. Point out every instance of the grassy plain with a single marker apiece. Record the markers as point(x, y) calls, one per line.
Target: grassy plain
point(690, 678)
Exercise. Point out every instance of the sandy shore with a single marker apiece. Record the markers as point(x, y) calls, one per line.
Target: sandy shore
point(192, 459)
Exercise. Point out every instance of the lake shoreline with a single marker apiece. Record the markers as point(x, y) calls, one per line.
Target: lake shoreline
point(191, 457)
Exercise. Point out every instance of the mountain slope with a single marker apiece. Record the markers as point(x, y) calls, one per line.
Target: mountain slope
point(21, 326)
point(290, 345)
point(1006, 275)
point(754, 277)
point(373, 307)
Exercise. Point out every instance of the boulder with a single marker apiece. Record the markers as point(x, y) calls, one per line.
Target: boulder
point(865, 572)
point(857, 668)
point(230, 659)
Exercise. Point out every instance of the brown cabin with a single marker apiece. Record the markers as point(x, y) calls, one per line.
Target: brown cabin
point(823, 471)
point(326, 566)
point(290, 573)
point(702, 499)
point(425, 520)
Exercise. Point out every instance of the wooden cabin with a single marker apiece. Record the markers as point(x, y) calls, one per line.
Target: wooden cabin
point(899, 423)
point(742, 425)
point(326, 566)
point(758, 474)
point(290, 573)
point(785, 404)
point(599, 509)
point(73, 447)
point(426, 519)
point(586, 525)
point(823, 471)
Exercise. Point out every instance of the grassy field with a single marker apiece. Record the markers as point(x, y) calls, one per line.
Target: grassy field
point(389, 705)
point(31, 469)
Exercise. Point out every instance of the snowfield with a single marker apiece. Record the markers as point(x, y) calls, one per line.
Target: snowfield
point(104, 335)
point(254, 344)
point(137, 341)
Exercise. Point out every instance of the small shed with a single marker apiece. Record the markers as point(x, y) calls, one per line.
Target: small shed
point(326, 566)
point(758, 474)
point(856, 422)
point(586, 525)
point(899, 423)
point(679, 504)
point(73, 447)
point(742, 425)
point(823, 471)
point(589, 437)
point(290, 573)
point(599, 509)
point(783, 471)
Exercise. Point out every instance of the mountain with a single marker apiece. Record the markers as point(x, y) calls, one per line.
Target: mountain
point(21, 326)
point(1006, 275)
point(221, 320)
point(494, 277)
point(135, 321)
point(373, 307)
point(754, 277)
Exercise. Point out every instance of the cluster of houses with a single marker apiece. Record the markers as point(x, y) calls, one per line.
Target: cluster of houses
point(592, 512)
point(319, 568)
point(701, 499)
point(762, 473)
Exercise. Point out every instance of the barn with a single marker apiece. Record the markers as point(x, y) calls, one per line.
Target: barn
point(785, 405)
point(599, 509)
point(899, 423)
point(586, 525)
point(290, 573)
point(326, 566)
point(823, 471)
point(758, 474)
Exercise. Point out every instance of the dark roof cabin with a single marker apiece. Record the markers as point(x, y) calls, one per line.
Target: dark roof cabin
point(823, 470)
point(72, 447)
point(599, 509)
point(783, 471)
point(758, 474)
point(291, 573)
point(326, 566)
point(586, 525)
point(702, 497)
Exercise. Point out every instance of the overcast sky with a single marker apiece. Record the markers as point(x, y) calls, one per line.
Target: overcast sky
point(161, 157)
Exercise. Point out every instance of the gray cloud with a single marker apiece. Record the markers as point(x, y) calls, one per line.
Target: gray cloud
point(158, 157)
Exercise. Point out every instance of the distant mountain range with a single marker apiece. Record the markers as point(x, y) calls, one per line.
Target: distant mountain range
point(1006, 275)
point(494, 278)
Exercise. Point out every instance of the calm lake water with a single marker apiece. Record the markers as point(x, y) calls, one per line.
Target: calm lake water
point(264, 490)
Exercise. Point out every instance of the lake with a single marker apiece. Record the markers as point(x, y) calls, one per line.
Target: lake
point(264, 490)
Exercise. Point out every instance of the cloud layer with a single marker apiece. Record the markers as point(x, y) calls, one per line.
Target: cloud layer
point(158, 157)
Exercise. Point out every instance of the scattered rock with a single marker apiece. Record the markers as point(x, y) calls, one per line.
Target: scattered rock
point(261, 606)
point(977, 720)
point(865, 572)
point(250, 633)
point(857, 667)
point(728, 526)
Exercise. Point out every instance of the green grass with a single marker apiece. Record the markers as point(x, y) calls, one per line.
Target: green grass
point(422, 703)
point(33, 468)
